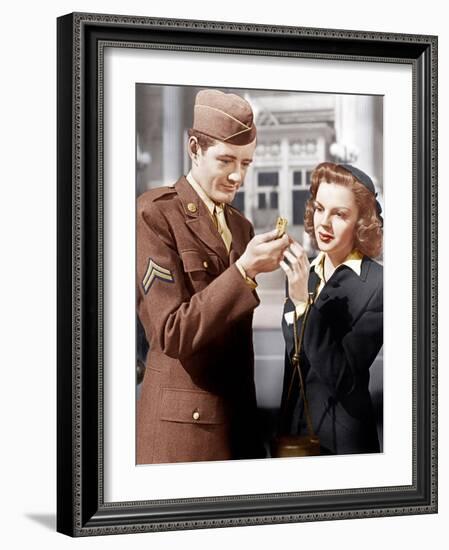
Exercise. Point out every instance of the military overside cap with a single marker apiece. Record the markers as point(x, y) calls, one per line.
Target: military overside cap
point(225, 117)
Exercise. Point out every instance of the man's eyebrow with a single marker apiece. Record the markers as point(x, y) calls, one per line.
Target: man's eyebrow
point(233, 157)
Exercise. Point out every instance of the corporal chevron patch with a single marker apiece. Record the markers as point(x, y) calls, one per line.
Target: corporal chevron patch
point(153, 272)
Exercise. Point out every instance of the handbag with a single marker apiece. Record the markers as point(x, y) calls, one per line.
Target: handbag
point(287, 445)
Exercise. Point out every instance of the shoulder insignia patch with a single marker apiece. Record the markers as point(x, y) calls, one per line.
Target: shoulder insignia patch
point(153, 272)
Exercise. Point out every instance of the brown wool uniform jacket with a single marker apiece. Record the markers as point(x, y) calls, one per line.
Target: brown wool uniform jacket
point(198, 397)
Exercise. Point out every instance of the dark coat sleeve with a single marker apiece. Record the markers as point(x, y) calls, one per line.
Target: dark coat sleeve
point(287, 329)
point(339, 349)
point(335, 354)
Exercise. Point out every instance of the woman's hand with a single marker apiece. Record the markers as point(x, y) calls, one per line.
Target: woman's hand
point(297, 271)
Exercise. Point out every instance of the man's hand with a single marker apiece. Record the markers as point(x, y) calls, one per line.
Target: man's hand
point(297, 271)
point(263, 253)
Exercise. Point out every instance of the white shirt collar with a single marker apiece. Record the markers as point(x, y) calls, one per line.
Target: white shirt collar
point(353, 260)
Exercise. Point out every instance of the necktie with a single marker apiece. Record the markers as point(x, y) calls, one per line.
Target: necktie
point(222, 227)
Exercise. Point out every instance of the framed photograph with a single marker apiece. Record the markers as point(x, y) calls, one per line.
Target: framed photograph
point(213, 371)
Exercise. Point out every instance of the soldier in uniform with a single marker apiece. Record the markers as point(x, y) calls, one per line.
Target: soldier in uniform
point(197, 259)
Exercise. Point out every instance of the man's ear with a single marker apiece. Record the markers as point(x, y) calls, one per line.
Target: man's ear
point(193, 148)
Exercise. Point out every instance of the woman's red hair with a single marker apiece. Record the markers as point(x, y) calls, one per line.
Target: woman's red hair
point(368, 230)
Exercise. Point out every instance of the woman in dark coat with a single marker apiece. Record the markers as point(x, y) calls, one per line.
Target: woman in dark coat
point(340, 294)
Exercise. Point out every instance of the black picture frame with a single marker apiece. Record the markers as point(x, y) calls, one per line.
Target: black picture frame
point(81, 510)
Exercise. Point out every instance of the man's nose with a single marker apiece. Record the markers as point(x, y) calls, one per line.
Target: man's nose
point(236, 176)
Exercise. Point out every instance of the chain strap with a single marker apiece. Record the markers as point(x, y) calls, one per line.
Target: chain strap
point(296, 363)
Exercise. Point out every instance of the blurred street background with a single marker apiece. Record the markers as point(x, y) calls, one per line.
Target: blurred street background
point(295, 132)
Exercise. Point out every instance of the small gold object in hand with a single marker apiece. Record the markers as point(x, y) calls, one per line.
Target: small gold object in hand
point(281, 226)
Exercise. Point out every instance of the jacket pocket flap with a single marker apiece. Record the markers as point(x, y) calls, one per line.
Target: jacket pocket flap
point(195, 261)
point(191, 406)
